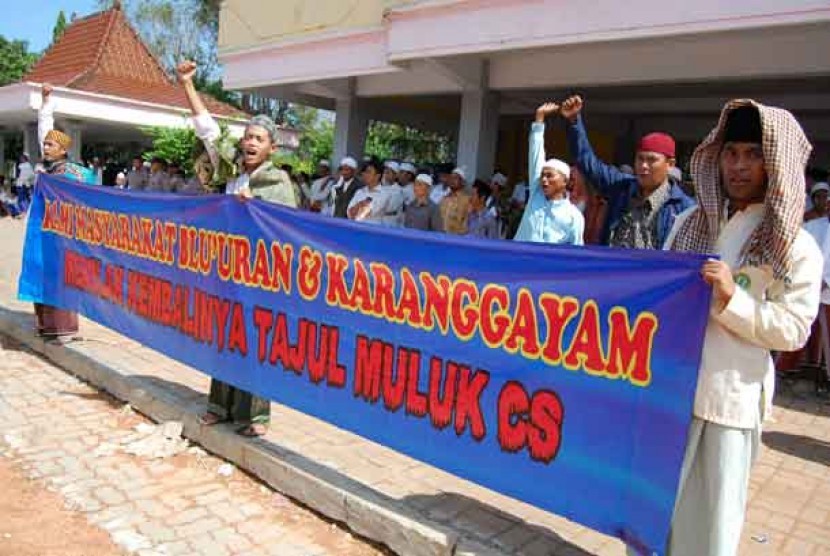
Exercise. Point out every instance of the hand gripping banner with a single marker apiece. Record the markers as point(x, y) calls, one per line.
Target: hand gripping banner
point(561, 376)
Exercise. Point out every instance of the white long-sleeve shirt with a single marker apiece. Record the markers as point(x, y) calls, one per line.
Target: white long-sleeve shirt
point(818, 228)
point(45, 121)
point(764, 314)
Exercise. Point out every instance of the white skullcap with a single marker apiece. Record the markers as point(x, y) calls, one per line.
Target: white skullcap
point(408, 167)
point(120, 176)
point(324, 162)
point(559, 166)
point(676, 173)
point(349, 162)
point(459, 171)
point(499, 178)
point(392, 165)
point(424, 178)
point(820, 186)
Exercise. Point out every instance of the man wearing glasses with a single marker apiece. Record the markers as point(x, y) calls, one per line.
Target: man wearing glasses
point(643, 207)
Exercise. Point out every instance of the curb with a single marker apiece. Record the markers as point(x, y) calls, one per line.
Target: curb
point(363, 510)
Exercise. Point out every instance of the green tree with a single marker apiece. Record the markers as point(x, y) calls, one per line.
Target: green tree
point(173, 144)
point(317, 134)
point(15, 60)
point(59, 28)
point(389, 140)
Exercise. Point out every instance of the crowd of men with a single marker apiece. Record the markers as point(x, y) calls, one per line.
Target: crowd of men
point(749, 207)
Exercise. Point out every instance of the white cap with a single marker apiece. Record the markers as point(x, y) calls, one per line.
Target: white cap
point(349, 162)
point(120, 176)
point(559, 166)
point(460, 173)
point(424, 178)
point(676, 173)
point(392, 165)
point(408, 167)
point(499, 178)
point(820, 186)
point(324, 162)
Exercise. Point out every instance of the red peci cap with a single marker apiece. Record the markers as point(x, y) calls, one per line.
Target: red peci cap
point(657, 143)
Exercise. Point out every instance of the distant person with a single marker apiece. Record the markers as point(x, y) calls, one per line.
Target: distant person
point(455, 206)
point(481, 222)
point(421, 213)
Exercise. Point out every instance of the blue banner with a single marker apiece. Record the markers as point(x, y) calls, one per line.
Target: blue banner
point(561, 376)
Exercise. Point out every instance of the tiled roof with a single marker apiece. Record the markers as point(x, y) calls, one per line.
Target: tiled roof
point(103, 54)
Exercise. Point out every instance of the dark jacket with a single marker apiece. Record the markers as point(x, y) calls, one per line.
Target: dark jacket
point(619, 187)
point(343, 198)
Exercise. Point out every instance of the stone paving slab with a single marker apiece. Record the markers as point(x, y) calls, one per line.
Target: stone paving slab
point(410, 506)
point(70, 439)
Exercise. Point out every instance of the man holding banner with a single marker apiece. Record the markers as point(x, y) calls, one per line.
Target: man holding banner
point(256, 177)
point(55, 324)
point(749, 179)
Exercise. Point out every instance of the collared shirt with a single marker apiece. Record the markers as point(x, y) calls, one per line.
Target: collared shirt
point(438, 193)
point(764, 314)
point(394, 207)
point(422, 215)
point(455, 209)
point(384, 199)
point(556, 221)
point(482, 223)
point(818, 228)
point(637, 229)
point(158, 182)
point(137, 179)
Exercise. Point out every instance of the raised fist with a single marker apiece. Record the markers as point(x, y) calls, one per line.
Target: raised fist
point(546, 110)
point(186, 70)
point(571, 108)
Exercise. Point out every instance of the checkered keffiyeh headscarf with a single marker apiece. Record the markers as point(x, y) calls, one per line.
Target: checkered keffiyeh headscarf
point(786, 151)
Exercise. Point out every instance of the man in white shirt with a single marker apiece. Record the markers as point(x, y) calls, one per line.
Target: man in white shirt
point(137, 176)
point(394, 215)
point(373, 202)
point(749, 178)
point(406, 179)
point(318, 193)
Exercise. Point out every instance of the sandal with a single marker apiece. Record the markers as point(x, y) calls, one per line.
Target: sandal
point(209, 419)
point(253, 430)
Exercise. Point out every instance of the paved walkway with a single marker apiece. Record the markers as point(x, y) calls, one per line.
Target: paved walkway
point(70, 436)
point(790, 493)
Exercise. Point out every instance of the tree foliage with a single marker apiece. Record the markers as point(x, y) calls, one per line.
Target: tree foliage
point(173, 144)
point(389, 140)
point(59, 28)
point(15, 60)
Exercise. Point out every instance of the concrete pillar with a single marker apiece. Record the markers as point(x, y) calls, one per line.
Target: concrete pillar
point(30, 142)
point(3, 158)
point(74, 132)
point(350, 127)
point(478, 127)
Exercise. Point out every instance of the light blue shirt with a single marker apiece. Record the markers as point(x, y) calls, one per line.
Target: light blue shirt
point(547, 221)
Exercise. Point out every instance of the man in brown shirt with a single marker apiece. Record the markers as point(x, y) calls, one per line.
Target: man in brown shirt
point(455, 207)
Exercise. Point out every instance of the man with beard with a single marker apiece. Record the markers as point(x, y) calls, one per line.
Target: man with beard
point(342, 192)
point(749, 181)
point(256, 177)
point(549, 216)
